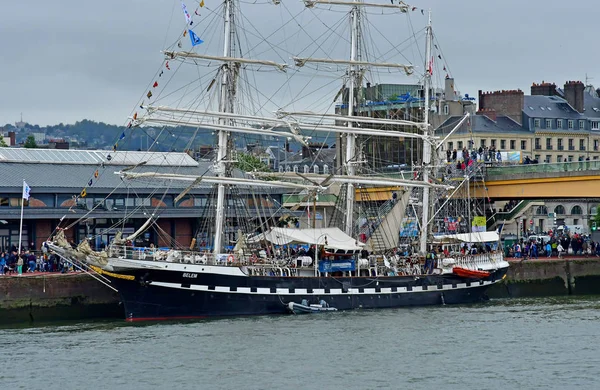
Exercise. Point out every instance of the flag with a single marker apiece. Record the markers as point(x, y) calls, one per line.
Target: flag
point(444, 68)
point(161, 73)
point(149, 94)
point(167, 65)
point(122, 136)
point(83, 193)
point(413, 8)
point(96, 174)
point(135, 116)
point(155, 84)
point(202, 3)
point(430, 66)
point(26, 190)
point(184, 33)
point(188, 18)
point(440, 56)
point(195, 39)
point(90, 182)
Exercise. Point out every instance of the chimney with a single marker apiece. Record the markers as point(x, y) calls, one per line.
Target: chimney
point(12, 137)
point(449, 94)
point(505, 103)
point(305, 151)
point(543, 89)
point(489, 112)
point(574, 94)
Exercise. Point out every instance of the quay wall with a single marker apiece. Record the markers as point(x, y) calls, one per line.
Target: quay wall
point(549, 277)
point(54, 297)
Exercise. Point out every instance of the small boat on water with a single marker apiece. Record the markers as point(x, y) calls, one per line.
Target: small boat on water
point(470, 273)
point(306, 308)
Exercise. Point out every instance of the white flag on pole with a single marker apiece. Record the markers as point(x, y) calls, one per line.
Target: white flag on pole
point(26, 190)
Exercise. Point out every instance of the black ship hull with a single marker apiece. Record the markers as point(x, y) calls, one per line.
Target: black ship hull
point(170, 295)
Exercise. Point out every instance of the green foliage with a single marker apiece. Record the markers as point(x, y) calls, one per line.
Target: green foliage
point(392, 98)
point(30, 142)
point(250, 163)
point(2, 142)
point(596, 220)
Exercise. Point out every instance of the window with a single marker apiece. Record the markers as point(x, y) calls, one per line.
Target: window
point(548, 143)
point(143, 201)
point(200, 202)
point(493, 142)
point(295, 168)
point(548, 158)
point(482, 143)
point(129, 202)
point(513, 144)
point(560, 144)
point(570, 158)
point(575, 221)
point(541, 210)
point(559, 209)
point(460, 144)
point(306, 169)
point(581, 144)
point(570, 124)
point(559, 123)
point(548, 123)
point(537, 144)
point(536, 123)
point(316, 169)
point(595, 125)
point(503, 144)
point(446, 109)
point(523, 145)
point(450, 145)
point(581, 125)
point(119, 202)
point(559, 158)
point(576, 210)
point(326, 169)
point(571, 145)
point(537, 157)
point(596, 144)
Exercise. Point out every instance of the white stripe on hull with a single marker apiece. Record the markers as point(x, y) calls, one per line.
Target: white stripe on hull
point(320, 291)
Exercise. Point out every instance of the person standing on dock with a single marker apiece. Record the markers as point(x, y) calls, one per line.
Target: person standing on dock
point(560, 250)
point(20, 266)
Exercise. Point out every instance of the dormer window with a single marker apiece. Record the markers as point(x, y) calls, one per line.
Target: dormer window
point(536, 123)
point(581, 125)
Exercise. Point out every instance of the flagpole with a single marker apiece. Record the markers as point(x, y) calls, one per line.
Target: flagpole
point(21, 224)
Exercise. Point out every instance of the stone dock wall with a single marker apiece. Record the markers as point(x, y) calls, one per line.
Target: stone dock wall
point(537, 278)
point(55, 297)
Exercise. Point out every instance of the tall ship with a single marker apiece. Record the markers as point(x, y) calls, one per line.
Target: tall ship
point(416, 246)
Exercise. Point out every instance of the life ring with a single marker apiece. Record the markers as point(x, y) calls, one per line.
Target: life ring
point(230, 259)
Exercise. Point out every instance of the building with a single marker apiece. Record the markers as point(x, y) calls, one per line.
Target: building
point(391, 101)
point(57, 178)
point(551, 125)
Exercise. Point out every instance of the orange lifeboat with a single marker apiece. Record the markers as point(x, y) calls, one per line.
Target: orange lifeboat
point(469, 273)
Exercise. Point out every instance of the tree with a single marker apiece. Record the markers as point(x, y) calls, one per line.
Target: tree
point(250, 163)
point(30, 142)
point(2, 142)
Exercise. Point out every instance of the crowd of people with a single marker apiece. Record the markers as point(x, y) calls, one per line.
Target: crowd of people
point(11, 263)
point(556, 246)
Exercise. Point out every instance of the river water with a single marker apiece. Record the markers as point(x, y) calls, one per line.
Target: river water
point(542, 343)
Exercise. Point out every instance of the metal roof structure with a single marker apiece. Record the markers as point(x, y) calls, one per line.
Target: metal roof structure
point(551, 107)
point(95, 157)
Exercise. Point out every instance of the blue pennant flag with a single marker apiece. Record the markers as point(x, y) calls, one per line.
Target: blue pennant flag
point(122, 136)
point(195, 39)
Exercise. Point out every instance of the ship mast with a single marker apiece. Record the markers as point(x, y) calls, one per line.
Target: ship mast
point(426, 145)
point(351, 137)
point(226, 106)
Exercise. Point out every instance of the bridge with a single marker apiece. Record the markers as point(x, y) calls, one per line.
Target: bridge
point(576, 179)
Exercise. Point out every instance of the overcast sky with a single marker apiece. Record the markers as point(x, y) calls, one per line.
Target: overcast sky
point(68, 60)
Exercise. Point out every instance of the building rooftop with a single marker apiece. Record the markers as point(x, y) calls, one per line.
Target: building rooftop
point(539, 106)
point(482, 124)
point(95, 157)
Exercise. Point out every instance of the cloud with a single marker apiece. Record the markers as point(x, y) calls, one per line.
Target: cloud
point(69, 60)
